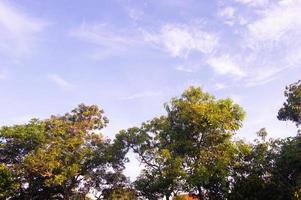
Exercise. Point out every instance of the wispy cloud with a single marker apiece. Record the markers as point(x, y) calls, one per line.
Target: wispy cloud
point(293, 58)
point(107, 40)
point(184, 68)
point(176, 39)
point(230, 16)
point(17, 30)
point(135, 14)
point(247, 51)
point(265, 45)
point(253, 3)
point(2, 75)
point(142, 95)
point(179, 39)
point(279, 24)
point(273, 41)
point(225, 65)
point(101, 34)
point(262, 76)
point(227, 14)
point(59, 81)
point(219, 86)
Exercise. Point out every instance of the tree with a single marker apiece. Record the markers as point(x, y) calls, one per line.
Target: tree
point(118, 188)
point(291, 109)
point(271, 170)
point(288, 167)
point(201, 128)
point(287, 162)
point(254, 174)
point(7, 182)
point(191, 144)
point(60, 157)
point(120, 194)
point(162, 172)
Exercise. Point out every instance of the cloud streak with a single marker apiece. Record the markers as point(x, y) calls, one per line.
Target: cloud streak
point(277, 25)
point(264, 46)
point(253, 3)
point(17, 30)
point(108, 41)
point(180, 40)
point(142, 95)
point(61, 82)
point(257, 46)
point(225, 65)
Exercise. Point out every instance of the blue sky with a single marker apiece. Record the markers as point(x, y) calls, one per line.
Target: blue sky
point(129, 57)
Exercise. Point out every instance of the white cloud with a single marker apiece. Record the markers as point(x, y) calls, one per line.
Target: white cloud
point(227, 14)
point(225, 65)
point(179, 40)
point(135, 14)
point(101, 34)
point(293, 57)
point(254, 3)
point(277, 25)
point(219, 86)
point(108, 40)
point(184, 68)
point(271, 42)
point(230, 17)
point(260, 76)
point(142, 95)
point(61, 82)
point(17, 30)
point(266, 44)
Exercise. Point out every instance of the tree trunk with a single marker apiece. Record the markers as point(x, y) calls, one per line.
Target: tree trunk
point(167, 196)
point(200, 193)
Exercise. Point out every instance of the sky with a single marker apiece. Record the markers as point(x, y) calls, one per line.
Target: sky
point(130, 57)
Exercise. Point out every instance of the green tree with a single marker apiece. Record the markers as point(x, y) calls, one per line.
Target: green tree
point(162, 171)
point(7, 182)
point(120, 193)
point(271, 170)
point(254, 174)
point(201, 129)
point(288, 167)
point(291, 109)
point(117, 187)
point(60, 157)
point(188, 149)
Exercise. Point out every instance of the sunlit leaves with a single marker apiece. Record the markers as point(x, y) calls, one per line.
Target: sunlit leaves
point(291, 109)
point(57, 156)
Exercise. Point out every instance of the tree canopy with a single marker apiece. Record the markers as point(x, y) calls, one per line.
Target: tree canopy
point(59, 157)
point(291, 109)
point(188, 152)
